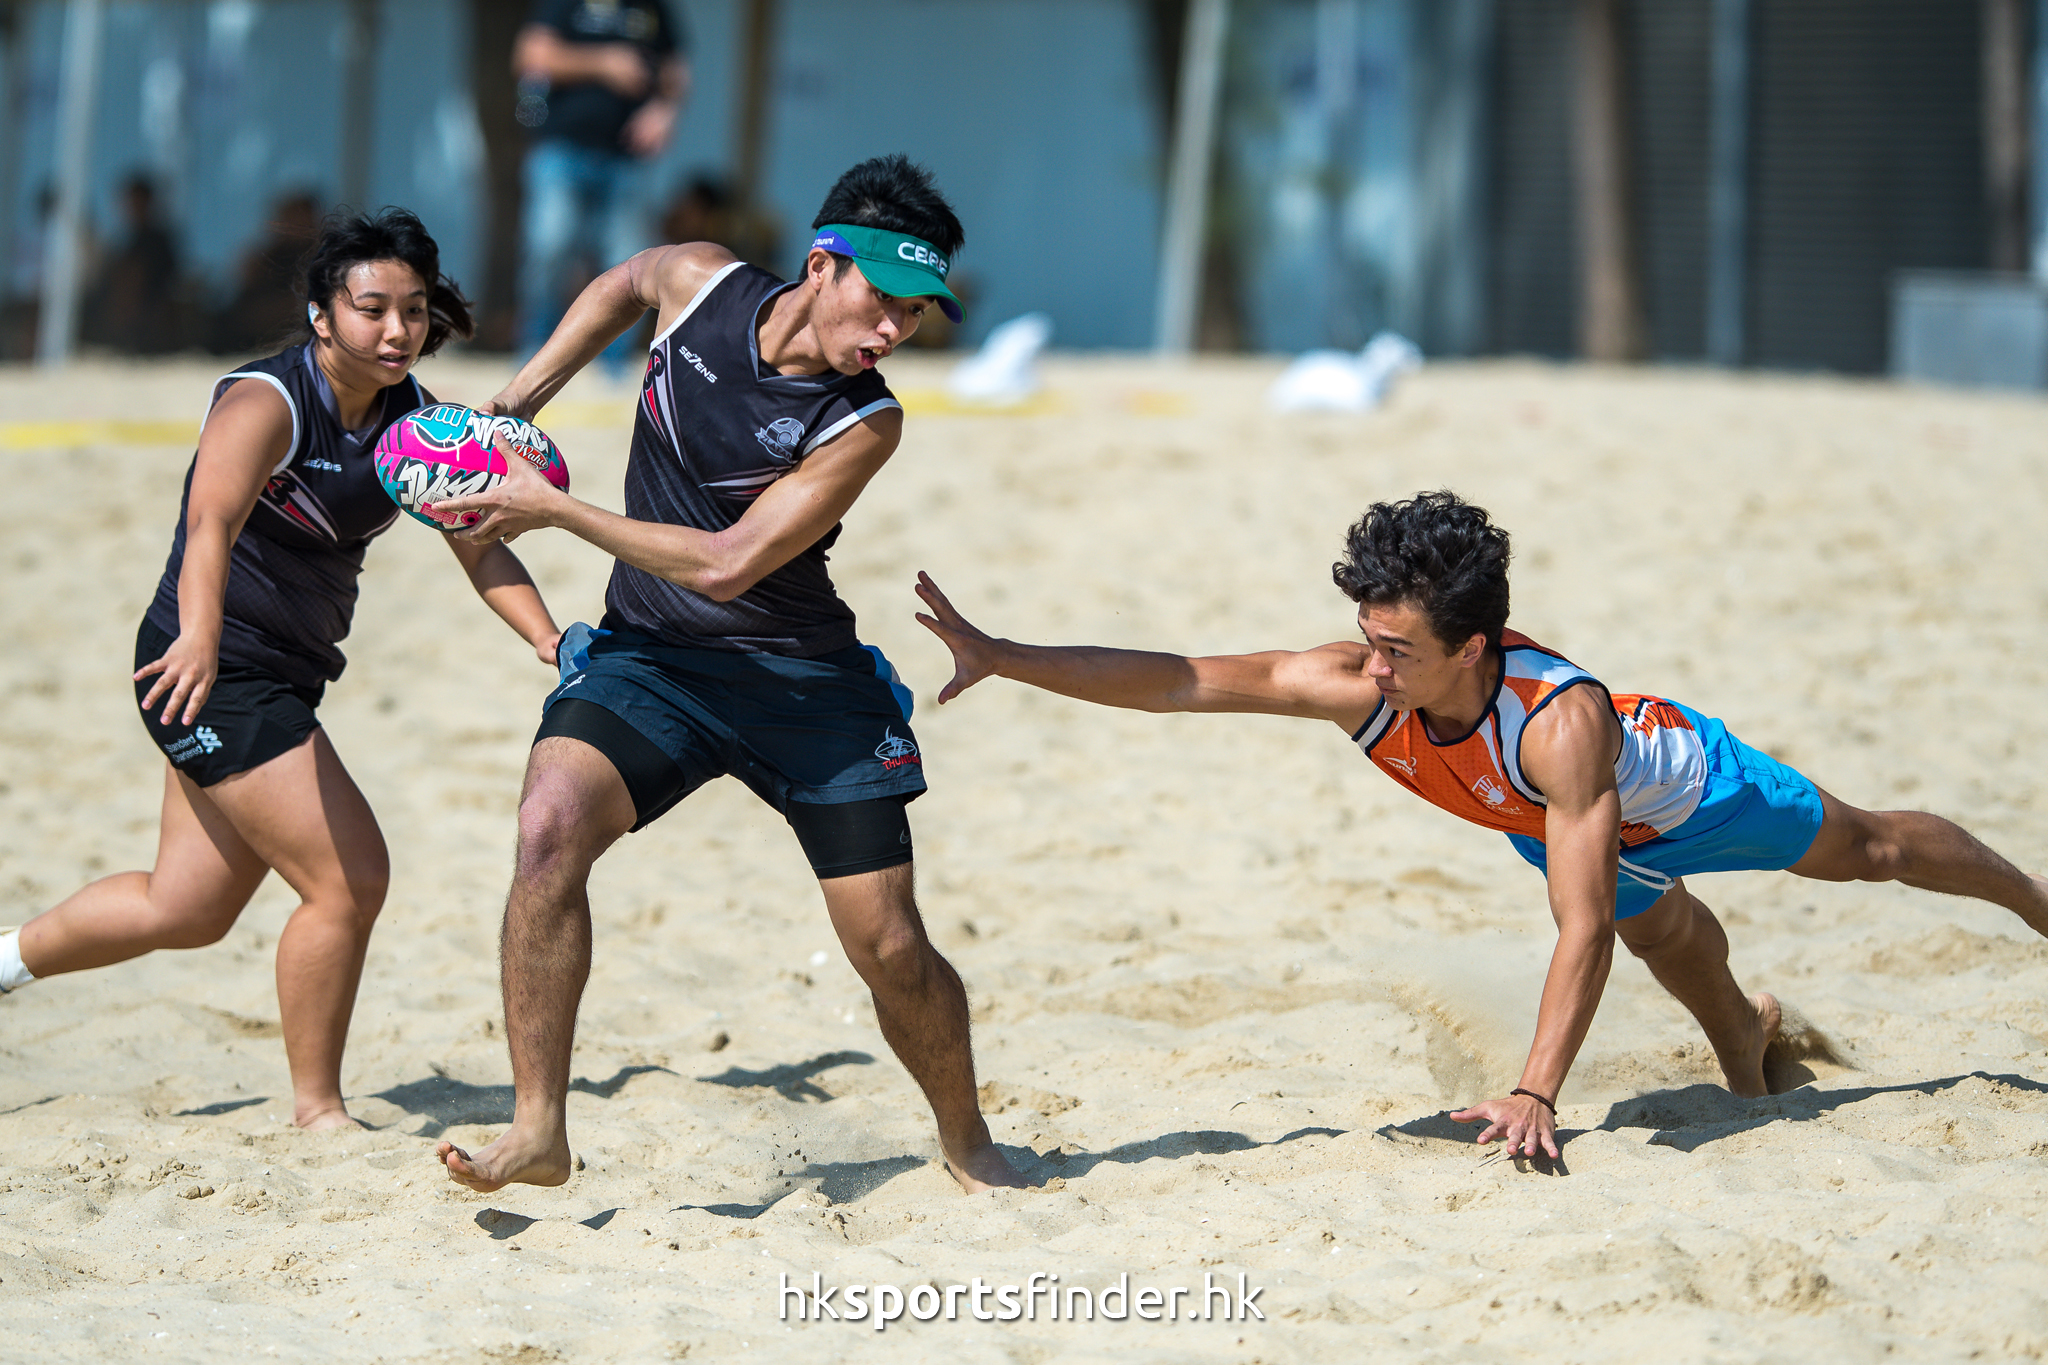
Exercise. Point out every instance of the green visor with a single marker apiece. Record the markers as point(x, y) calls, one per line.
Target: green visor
point(896, 263)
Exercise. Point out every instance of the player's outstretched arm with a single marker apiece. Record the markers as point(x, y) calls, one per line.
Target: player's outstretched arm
point(1327, 683)
point(508, 589)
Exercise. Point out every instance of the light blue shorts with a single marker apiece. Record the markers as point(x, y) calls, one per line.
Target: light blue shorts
point(1756, 815)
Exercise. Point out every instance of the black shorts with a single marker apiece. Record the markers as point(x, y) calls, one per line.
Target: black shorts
point(250, 717)
point(820, 740)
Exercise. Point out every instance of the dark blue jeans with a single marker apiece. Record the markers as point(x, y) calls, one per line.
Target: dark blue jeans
point(576, 198)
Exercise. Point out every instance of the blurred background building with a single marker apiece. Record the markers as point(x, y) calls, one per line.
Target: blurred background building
point(1736, 181)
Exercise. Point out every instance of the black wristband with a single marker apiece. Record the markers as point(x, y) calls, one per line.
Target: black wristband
point(1536, 1097)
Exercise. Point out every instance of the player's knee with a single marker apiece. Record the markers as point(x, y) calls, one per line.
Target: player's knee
point(1664, 930)
point(550, 829)
point(368, 883)
point(1865, 846)
point(1884, 861)
point(1649, 942)
point(890, 958)
point(366, 896)
point(1881, 847)
point(187, 926)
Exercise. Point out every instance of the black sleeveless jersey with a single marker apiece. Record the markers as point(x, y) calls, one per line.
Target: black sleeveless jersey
point(715, 427)
point(292, 572)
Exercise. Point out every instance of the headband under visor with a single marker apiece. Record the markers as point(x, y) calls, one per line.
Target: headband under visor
point(901, 266)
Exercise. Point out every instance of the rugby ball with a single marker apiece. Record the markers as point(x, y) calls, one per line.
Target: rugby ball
point(436, 453)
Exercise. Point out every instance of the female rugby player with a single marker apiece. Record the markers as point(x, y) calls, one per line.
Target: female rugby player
point(280, 503)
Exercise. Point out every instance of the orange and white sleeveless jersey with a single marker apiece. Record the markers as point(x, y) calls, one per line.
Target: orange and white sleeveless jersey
point(1660, 773)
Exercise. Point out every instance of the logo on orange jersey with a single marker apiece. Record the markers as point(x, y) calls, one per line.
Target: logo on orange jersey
point(1654, 713)
point(1493, 794)
point(1406, 765)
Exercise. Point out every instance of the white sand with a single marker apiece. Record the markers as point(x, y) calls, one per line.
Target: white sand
point(1226, 978)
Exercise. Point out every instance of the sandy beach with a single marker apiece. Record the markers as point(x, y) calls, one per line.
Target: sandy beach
point(1227, 980)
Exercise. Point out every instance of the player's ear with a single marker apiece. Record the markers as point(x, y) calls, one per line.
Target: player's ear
point(313, 317)
point(818, 267)
point(1473, 651)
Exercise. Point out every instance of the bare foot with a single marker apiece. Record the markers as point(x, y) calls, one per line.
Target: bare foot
point(326, 1119)
point(985, 1168)
point(513, 1159)
point(1745, 1072)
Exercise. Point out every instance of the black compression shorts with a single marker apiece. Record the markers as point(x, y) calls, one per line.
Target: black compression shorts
point(842, 839)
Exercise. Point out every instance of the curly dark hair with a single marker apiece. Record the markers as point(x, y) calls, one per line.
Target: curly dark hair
point(350, 239)
point(1437, 551)
point(895, 194)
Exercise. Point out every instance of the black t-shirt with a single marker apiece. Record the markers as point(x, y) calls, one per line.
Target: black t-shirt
point(714, 428)
point(591, 113)
point(291, 588)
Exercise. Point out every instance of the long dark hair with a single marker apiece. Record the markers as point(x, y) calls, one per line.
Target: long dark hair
point(350, 239)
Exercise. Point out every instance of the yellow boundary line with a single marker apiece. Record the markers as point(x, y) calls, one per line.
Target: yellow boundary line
point(83, 435)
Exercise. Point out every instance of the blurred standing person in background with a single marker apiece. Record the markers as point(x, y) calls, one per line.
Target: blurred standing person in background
point(20, 310)
point(600, 84)
point(134, 304)
point(266, 305)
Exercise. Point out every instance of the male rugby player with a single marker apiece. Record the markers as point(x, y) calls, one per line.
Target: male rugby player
point(724, 647)
point(1615, 797)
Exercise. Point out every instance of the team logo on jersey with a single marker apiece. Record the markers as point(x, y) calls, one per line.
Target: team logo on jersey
point(293, 501)
point(895, 751)
point(1494, 795)
point(696, 362)
point(780, 439)
point(1406, 765)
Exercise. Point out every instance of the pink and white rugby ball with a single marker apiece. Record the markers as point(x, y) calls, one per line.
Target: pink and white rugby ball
point(445, 451)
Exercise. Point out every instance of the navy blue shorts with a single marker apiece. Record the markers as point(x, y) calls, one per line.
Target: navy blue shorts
point(824, 731)
point(250, 717)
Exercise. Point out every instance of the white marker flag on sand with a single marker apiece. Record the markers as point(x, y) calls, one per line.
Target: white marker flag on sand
point(1004, 370)
point(1339, 381)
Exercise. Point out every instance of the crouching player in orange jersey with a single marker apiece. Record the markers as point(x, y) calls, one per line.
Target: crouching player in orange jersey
point(1615, 797)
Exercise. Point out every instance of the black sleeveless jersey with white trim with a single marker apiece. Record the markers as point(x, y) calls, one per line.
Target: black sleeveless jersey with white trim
point(715, 427)
point(291, 589)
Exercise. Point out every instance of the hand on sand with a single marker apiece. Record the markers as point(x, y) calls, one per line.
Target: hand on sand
point(511, 1160)
point(1523, 1122)
point(973, 651)
point(985, 1168)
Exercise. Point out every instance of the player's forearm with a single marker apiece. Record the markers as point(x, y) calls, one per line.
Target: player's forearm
point(702, 561)
point(606, 309)
point(674, 86)
point(1571, 996)
point(508, 589)
point(1137, 680)
point(203, 579)
point(539, 52)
